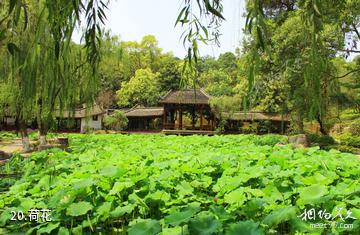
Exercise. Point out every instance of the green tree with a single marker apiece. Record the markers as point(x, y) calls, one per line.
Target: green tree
point(169, 73)
point(217, 83)
point(46, 71)
point(142, 89)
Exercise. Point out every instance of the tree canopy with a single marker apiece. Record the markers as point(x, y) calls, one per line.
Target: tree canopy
point(293, 59)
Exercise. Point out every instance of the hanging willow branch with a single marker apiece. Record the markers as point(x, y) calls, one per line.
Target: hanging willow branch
point(62, 17)
point(255, 25)
point(44, 59)
point(199, 26)
point(317, 65)
point(209, 18)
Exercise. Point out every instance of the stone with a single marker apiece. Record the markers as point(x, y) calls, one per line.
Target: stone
point(50, 146)
point(45, 147)
point(4, 155)
point(63, 141)
point(299, 141)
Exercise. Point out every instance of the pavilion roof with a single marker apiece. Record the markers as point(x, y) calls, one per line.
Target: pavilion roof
point(255, 116)
point(145, 112)
point(186, 96)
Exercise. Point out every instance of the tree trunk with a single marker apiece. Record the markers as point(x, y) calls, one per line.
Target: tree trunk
point(17, 125)
point(24, 136)
point(322, 127)
point(41, 124)
point(300, 123)
point(42, 135)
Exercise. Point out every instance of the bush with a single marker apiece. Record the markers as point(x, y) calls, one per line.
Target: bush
point(355, 127)
point(116, 121)
point(326, 140)
point(345, 148)
point(264, 127)
point(350, 140)
point(221, 126)
point(249, 129)
point(312, 138)
point(321, 140)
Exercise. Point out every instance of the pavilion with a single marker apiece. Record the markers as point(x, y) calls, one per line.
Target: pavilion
point(187, 109)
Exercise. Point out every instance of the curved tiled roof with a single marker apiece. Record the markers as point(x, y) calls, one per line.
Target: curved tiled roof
point(186, 96)
point(255, 116)
point(145, 112)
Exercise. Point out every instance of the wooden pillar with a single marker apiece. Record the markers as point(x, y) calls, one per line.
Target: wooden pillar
point(164, 117)
point(201, 117)
point(180, 118)
point(213, 123)
point(193, 114)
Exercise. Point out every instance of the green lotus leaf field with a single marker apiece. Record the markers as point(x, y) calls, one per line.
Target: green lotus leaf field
point(155, 184)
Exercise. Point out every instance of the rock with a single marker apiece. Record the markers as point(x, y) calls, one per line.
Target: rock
point(337, 129)
point(4, 155)
point(45, 147)
point(50, 146)
point(63, 141)
point(299, 141)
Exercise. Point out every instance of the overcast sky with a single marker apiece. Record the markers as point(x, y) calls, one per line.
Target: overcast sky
point(133, 19)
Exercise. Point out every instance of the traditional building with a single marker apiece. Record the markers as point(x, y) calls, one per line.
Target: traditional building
point(81, 119)
point(187, 109)
point(145, 118)
point(261, 121)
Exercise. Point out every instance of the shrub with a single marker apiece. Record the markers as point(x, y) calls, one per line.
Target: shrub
point(221, 126)
point(264, 127)
point(249, 129)
point(321, 140)
point(350, 140)
point(355, 127)
point(345, 148)
point(313, 138)
point(116, 121)
point(326, 140)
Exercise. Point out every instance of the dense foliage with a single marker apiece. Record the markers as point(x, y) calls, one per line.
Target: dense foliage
point(292, 60)
point(150, 184)
point(116, 121)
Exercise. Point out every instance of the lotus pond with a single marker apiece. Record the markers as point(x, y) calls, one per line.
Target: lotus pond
point(154, 184)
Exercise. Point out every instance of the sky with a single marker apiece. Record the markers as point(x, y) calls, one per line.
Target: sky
point(133, 19)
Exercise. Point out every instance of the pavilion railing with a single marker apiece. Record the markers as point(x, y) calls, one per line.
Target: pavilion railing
point(169, 126)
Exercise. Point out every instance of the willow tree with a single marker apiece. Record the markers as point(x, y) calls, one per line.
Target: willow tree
point(61, 84)
point(20, 73)
point(62, 75)
point(316, 18)
point(301, 41)
point(45, 65)
point(201, 20)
